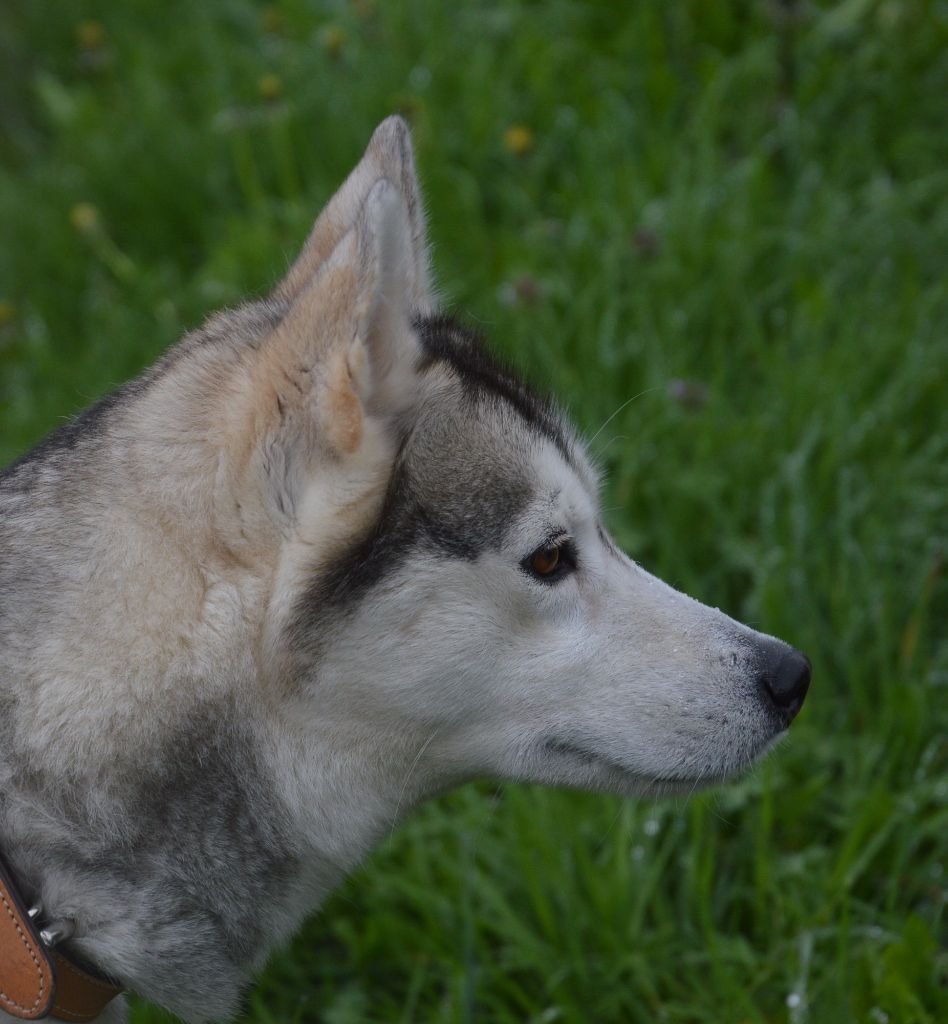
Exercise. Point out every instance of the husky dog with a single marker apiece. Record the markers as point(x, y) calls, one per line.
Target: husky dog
point(324, 560)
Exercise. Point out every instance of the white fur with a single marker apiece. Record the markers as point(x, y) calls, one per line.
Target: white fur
point(165, 569)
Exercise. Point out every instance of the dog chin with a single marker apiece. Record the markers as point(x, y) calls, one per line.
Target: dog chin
point(605, 773)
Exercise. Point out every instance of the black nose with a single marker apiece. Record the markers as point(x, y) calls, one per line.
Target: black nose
point(785, 675)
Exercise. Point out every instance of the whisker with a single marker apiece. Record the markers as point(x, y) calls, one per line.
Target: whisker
point(624, 405)
point(411, 769)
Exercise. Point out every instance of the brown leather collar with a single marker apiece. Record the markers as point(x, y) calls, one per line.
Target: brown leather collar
point(37, 981)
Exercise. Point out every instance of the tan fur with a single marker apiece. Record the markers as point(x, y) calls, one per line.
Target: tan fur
point(187, 506)
point(186, 621)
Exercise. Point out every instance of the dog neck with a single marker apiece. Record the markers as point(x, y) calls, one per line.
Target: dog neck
point(188, 863)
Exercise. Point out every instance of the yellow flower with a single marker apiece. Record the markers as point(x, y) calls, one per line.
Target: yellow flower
point(272, 18)
point(84, 217)
point(271, 88)
point(334, 39)
point(518, 138)
point(90, 35)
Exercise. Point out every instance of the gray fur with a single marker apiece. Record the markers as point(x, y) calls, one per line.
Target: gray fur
point(455, 489)
point(182, 842)
point(257, 605)
point(182, 847)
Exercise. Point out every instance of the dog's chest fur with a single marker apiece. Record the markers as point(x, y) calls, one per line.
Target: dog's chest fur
point(179, 871)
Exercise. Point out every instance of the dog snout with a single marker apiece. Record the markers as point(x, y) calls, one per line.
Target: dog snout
point(784, 675)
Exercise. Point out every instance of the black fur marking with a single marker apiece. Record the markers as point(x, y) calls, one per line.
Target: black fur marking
point(368, 560)
point(454, 490)
point(446, 340)
point(471, 517)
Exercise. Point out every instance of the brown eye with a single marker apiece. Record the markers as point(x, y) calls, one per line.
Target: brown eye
point(545, 561)
point(552, 562)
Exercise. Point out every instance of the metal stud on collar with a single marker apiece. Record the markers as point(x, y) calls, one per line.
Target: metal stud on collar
point(56, 931)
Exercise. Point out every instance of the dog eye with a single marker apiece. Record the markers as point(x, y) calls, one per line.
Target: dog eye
point(546, 560)
point(551, 562)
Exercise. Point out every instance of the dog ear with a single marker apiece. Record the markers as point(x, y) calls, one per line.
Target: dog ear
point(342, 363)
point(388, 155)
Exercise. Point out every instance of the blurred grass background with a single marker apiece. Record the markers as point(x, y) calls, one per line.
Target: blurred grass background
point(723, 225)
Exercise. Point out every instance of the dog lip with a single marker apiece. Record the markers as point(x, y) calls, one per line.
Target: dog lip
point(560, 746)
point(590, 757)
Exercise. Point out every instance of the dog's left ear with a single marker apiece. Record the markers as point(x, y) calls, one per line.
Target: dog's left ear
point(341, 366)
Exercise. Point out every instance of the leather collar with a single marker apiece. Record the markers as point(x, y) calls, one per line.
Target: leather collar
point(37, 980)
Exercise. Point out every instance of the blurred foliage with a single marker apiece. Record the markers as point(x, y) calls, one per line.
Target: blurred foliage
point(720, 232)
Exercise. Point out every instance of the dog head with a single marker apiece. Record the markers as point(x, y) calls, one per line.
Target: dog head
point(444, 573)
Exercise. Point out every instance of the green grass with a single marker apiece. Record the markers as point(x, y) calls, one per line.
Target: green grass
point(750, 197)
